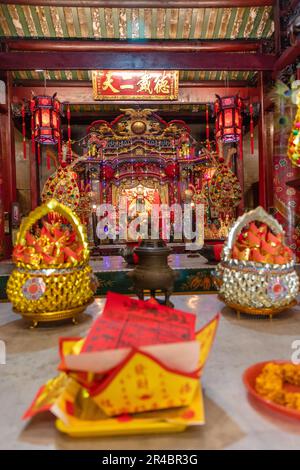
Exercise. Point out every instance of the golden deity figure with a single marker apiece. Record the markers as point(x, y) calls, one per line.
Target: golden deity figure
point(140, 200)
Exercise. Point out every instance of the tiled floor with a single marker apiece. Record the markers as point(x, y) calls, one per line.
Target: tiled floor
point(232, 422)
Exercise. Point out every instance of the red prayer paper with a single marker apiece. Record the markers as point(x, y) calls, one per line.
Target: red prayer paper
point(127, 322)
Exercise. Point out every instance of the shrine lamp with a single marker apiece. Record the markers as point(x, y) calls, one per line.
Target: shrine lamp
point(46, 113)
point(228, 118)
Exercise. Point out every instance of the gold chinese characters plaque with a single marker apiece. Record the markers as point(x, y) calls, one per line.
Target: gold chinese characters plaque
point(135, 85)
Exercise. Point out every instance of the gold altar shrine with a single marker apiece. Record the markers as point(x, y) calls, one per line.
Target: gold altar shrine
point(149, 161)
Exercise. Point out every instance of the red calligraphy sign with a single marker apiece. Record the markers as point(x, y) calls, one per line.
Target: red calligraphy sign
point(135, 85)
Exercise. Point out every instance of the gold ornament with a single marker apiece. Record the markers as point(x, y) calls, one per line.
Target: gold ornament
point(294, 139)
point(62, 186)
point(224, 189)
point(48, 293)
point(138, 127)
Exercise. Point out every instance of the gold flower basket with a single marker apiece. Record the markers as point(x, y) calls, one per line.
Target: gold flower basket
point(252, 287)
point(60, 291)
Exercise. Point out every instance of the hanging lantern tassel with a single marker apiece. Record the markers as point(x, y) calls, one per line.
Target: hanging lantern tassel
point(207, 128)
point(251, 129)
point(59, 148)
point(39, 154)
point(69, 131)
point(24, 131)
point(241, 136)
point(32, 136)
point(48, 161)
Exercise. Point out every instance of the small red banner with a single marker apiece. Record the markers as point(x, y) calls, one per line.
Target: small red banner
point(135, 85)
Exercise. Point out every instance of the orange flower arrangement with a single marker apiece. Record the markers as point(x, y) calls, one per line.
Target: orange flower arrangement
point(258, 243)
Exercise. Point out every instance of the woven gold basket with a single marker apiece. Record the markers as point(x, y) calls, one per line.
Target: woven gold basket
point(65, 289)
point(248, 286)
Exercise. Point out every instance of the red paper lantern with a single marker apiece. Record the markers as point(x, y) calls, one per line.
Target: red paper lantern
point(228, 118)
point(46, 112)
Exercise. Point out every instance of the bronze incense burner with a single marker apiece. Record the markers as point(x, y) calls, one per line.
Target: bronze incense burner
point(153, 272)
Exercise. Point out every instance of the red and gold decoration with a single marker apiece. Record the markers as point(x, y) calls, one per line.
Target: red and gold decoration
point(228, 118)
point(257, 272)
point(149, 161)
point(137, 371)
point(207, 126)
point(294, 139)
point(225, 191)
point(285, 171)
point(143, 157)
point(137, 156)
point(63, 186)
point(52, 278)
point(46, 112)
point(69, 152)
point(135, 85)
point(258, 243)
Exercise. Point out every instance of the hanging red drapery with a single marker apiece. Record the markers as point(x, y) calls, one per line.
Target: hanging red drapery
point(24, 131)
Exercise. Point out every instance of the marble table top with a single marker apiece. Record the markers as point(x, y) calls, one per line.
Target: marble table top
point(232, 420)
point(117, 263)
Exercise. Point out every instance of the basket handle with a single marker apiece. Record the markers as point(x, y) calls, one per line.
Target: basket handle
point(54, 206)
point(258, 214)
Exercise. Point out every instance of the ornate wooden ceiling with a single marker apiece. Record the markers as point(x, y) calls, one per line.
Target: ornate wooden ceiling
point(135, 23)
point(67, 22)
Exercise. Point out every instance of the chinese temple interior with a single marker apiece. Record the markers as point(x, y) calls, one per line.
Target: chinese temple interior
point(193, 105)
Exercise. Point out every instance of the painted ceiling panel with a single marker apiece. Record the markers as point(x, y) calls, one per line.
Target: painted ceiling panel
point(185, 75)
point(135, 23)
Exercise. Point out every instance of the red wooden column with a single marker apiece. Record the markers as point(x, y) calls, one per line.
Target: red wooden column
point(8, 162)
point(265, 165)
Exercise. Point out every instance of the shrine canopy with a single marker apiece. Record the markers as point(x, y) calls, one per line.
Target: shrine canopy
point(137, 133)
